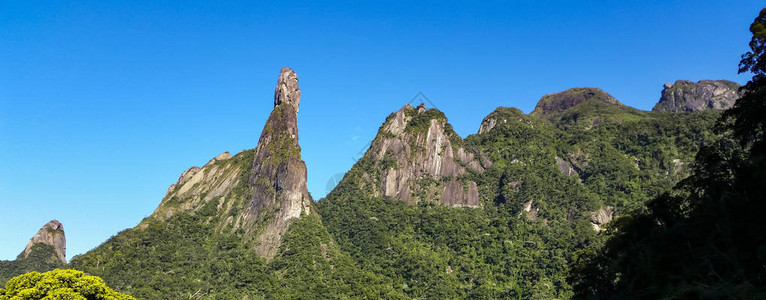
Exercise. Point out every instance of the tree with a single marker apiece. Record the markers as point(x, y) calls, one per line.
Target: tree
point(59, 284)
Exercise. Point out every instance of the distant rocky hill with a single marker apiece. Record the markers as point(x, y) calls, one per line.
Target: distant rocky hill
point(686, 96)
point(45, 251)
point(559, 102)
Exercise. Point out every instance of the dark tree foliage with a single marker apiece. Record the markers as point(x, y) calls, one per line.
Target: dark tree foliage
point(706, 238)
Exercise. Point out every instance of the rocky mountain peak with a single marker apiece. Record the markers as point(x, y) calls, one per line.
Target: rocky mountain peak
point(278, 174)
point(421, 158)
point(558, 102)
point(287, 90)
point(51, 234)
point(421, 108)
point(687, 96)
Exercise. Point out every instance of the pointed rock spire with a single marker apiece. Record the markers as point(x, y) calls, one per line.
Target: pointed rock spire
point(51, 234)
point(287, 90)
point(278, 175)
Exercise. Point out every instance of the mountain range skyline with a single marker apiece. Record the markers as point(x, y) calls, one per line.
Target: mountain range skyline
point(106, 141)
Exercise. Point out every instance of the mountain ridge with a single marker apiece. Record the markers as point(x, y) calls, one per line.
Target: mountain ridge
point(424, 213)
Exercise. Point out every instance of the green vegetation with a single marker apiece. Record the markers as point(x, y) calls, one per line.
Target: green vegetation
point(184, 257)
point(58, 284)
point(42, 258)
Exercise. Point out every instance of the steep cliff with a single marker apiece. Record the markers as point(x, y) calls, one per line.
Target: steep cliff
point(686, 96)
point(278, 175)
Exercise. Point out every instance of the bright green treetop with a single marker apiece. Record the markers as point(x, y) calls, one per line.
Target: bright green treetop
point(58, 284)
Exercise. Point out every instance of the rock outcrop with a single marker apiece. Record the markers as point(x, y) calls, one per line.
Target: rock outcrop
point(51, 234)
point(687, 96)
point(602, 216)
point(277, 174)
point(552, 104)
point(197, 186)
point(416, 156)
point(565, 167)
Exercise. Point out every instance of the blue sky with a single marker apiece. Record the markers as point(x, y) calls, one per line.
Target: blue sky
point(104, 103)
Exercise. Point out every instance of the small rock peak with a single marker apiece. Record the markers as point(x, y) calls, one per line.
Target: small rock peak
point(421, 108)
point(688, 96)
point(186, 175)
point(223, 156)
point(287, 90)
point(52, 233)
point(54, 225)
point(405, 107)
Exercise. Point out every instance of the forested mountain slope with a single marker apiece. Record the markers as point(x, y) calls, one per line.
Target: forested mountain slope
point(547, 183)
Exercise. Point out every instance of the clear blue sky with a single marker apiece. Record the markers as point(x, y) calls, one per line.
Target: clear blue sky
point(104, 103)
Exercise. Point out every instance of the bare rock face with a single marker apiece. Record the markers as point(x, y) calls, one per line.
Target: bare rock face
point(197, 186)
point(420, 158)
point(565, 167)
point(223, 156)
point(52, 234)
point(552, 104)
point(278, 175)
point(687, 96)
point(602, 216)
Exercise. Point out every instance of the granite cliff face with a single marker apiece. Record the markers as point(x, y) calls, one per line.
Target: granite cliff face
point(51, 234)
point(687, 96)
point(556, 103)
point(416, 156)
